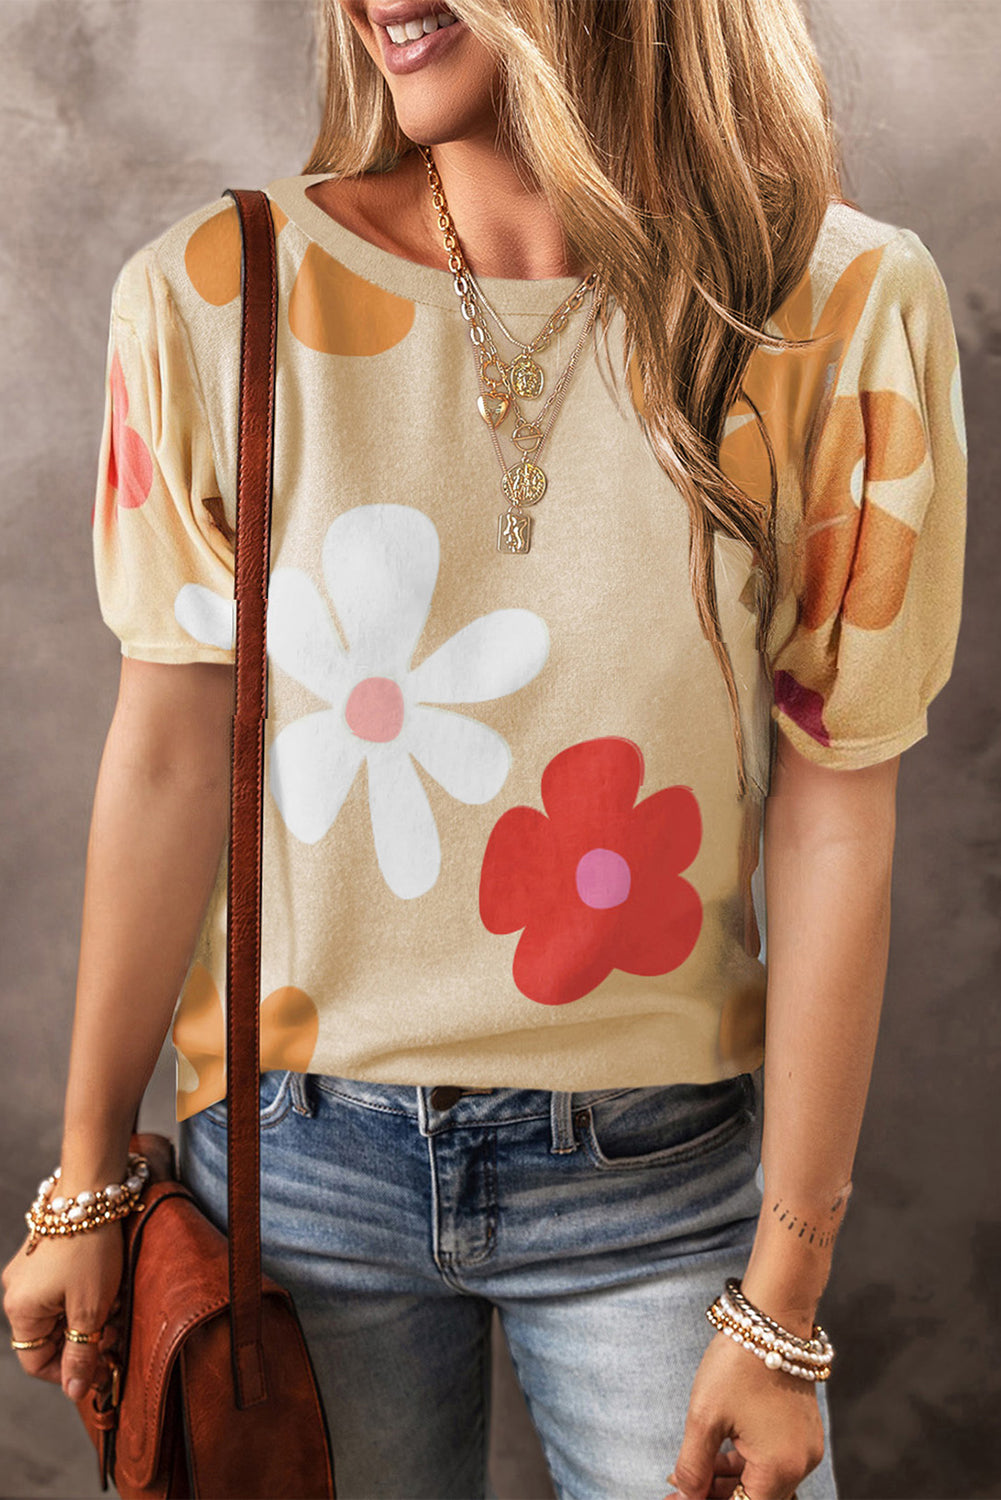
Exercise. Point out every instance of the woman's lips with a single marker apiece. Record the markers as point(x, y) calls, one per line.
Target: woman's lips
point(408, 58)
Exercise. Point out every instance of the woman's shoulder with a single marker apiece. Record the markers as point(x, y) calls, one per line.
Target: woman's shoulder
point(853, 252)
point(848, 231)
point(198, 256)
point(194, 259)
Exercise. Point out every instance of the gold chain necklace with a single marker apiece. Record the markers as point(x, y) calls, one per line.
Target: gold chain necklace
point(524, 483)
point(527, 377)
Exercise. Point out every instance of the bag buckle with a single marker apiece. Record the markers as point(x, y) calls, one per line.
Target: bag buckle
point(107, 1397)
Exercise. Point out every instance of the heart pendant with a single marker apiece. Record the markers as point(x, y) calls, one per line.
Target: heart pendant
point(493, 407)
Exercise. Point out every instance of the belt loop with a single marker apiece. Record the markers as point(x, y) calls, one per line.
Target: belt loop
point(301, 1102)
point(422, 1092)
point(561, 1122)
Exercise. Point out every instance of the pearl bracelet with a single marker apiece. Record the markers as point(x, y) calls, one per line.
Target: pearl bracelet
point(87, 1210)
point(807, 1359)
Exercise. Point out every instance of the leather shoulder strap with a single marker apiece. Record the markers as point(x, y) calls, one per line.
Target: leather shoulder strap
point(255, 454)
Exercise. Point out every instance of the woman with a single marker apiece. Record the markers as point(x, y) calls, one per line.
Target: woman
point(513, 1002)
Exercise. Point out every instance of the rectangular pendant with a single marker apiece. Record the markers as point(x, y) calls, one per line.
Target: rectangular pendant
point(514, 530)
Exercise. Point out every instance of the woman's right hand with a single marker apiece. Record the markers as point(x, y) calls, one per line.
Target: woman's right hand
point(69, 1281)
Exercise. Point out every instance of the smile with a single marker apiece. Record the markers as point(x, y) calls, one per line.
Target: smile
point(411, 37)
point(412, 31)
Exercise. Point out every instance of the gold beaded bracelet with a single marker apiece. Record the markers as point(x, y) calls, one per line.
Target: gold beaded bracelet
point(87, 1210)
point(807, 1359)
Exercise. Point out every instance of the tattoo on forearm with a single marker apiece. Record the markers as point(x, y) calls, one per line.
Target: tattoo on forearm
point(823, 1234)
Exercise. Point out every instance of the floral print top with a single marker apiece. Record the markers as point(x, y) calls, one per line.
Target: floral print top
point(503, 843)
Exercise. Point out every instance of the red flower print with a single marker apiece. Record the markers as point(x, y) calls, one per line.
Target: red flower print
point(596, 884)
point(130, 467)
point(802, 704)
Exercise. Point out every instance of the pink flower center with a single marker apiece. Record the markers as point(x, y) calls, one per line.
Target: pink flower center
point(603, 879)
point(374, 710)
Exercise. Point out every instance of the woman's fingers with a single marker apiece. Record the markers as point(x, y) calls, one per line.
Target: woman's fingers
point(63, 1292)
point(776, 1479)
point(33, 1313)
point(80, 1360)
point(729, 1464)
point(44, 1364)
point(723, 1487)
point(694, 1473)
point(728, 1470)
point(41, 1361)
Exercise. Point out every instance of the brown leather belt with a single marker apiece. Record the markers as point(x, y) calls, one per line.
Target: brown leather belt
point(446, 1094)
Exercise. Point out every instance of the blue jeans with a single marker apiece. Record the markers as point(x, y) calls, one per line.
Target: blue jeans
point(599, 1224)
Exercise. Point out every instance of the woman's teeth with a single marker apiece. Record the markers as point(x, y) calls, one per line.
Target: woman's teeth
point(414, 29)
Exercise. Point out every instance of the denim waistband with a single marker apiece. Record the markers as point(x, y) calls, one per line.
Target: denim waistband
point(486, 1107)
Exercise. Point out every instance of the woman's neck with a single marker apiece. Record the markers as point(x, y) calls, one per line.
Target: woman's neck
point(505, 227)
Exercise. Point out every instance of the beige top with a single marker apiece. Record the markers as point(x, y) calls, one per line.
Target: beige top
point(503, 845)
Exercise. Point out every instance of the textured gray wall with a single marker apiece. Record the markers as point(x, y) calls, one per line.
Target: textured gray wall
point(122, 115)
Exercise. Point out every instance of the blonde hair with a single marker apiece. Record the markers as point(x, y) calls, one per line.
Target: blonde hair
point(687, 149)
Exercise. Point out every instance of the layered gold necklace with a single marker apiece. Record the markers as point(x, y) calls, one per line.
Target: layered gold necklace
point(502, 383)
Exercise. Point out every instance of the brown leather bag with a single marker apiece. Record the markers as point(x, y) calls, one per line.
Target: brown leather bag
point(212, 1392)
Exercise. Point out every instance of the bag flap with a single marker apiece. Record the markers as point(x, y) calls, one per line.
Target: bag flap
point(178, 1278)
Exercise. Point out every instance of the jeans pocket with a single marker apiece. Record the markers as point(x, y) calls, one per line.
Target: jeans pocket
point(651, 1127)
point(275, 1101)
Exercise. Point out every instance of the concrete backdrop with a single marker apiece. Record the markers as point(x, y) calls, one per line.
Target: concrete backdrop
point(120, 116)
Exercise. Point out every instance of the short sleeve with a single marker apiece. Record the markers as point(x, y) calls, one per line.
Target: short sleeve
point(870, 599)
point(163, 553)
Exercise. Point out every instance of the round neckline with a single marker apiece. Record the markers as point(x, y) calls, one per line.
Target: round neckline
point(395, 273)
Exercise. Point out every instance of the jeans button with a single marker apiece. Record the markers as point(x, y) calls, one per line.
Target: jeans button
point(444, 1096)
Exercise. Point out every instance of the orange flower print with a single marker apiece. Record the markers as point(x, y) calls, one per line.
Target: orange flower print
point(335, 311)
point(130, 466)
point(844, 423)
point(289, 1028)
point(791, 388)
point(213, 254)
point(852, 468)
point(857, 553)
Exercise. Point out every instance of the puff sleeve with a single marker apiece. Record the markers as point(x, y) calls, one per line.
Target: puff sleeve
point(163, 554)
point(873, 579)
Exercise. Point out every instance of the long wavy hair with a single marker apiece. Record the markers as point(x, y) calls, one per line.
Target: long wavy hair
point(687, 150)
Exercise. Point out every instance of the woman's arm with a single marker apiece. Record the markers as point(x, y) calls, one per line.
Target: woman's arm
point(828, 852)
point(829, 839)
point(157, 832)
point(159, 821)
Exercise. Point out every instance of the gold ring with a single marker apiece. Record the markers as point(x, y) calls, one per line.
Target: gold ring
point(740, 1493)
point(76, 1337)
point(33, 1343)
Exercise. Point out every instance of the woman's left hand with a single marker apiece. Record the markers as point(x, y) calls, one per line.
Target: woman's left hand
point(772, 1419)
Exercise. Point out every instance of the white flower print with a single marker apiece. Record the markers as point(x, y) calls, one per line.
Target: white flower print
point(206, 616)
point(380, 566)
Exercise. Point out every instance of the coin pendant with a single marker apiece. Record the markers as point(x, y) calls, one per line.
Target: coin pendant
point(514, 530)
point(526, 377)
point(525, 484)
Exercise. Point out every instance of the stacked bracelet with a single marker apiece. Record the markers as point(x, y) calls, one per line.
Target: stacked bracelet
point(87, 1210)
point(740, 1320)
